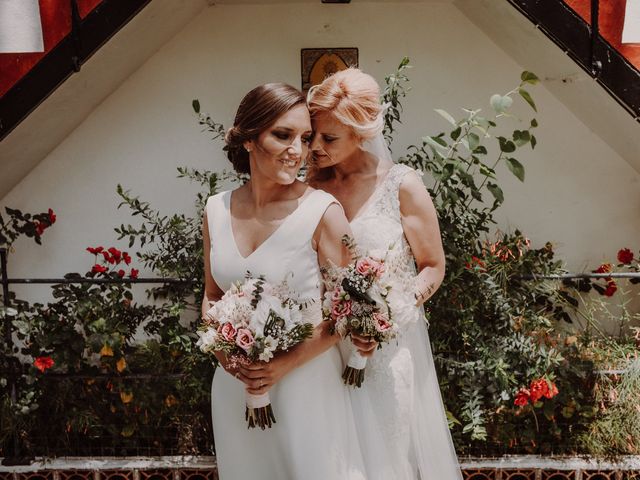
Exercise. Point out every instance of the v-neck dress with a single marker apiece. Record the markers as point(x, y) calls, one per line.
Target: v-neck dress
point(314, 437)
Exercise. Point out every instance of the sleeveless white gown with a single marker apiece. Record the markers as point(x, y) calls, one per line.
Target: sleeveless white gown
point(399, 412)
point(314, 437)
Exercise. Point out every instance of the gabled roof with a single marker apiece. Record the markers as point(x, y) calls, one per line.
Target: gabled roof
point(116, 38)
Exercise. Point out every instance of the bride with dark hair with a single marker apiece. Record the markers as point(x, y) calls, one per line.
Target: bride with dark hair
point(276, 226)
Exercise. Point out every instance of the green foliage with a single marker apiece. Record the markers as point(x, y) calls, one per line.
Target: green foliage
point(97, 391)
point(393, 92)
point(23, 224)
point(493, 331)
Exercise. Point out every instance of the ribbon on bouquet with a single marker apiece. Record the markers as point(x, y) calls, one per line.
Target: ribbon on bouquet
point(259, 412)
point(354, 371)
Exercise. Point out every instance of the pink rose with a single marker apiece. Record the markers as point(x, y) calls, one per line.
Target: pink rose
point(368, 266)
point(227, 331)
point(341, 309)
point(379, 269)
point(382, 322)
point(365, 266)
point(244, 339)
point(336, 296)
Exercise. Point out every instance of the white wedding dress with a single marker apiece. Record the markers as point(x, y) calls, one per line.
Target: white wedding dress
point(314, 437)
point(399, 413)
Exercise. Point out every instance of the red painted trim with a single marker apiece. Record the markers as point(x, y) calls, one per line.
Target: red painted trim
point(611, 23)
point(56, 24)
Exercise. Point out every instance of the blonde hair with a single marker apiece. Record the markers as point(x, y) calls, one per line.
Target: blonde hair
point(353, 97)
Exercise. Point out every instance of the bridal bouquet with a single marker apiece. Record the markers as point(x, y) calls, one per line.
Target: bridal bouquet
point(357, 303)
point(253, 321)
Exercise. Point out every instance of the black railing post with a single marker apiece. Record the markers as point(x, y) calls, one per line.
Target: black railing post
point(75, 35)
point(12, 384)
point(596, 65)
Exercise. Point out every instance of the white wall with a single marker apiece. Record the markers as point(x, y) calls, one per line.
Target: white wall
point(579, 194)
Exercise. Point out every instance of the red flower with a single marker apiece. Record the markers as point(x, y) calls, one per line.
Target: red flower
point(40, 228)
point(539, 388)
point(116, 254)
point(121, 273)
point(98, 269)
point(625, 256)
point(52, 217)
point(43, 363)
point(126, 258)
point(611, 288)
point(604, 268)
point(95, 250)
point(522, 397)
point(475, 263)
point(134, 273)
point(552, 391)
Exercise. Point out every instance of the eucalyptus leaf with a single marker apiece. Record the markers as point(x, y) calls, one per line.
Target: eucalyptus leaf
point(529, 77)
point(444, 114)
point(524, 94)
point(516, 168)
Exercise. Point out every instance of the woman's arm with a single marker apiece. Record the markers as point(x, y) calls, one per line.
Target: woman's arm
point(420, 224)
point(327, 241)
point(212, 292)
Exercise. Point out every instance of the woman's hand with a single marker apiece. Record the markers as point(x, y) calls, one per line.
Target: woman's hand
point(366, 345)
point(259, 377)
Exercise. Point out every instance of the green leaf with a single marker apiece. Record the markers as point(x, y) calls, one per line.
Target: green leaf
point(456, 133)
point(524, 94)
point(506, 146)
point(196, 105)
point(480, 150)
point(435, 142)
point(496, 191)
point(533, 142)
point(446, 116)
point(487, 171)
point(534, 123)
point(516, 168)
point(500, 103)
point(529, 77)
point(474, 141)
point(521, 137)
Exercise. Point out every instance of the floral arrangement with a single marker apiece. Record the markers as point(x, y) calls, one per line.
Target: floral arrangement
point(357, 303)
point(253, 321)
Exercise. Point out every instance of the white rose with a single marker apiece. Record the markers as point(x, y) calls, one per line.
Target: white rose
point(207, 339)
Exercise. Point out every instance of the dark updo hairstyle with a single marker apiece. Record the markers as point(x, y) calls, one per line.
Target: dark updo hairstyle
point(258, 110)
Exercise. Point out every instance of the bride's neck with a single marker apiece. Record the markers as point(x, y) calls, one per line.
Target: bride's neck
point(360, 163)
point(262, 191)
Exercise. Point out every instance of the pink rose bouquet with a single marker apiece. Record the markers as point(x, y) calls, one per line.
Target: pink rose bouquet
point(253, 321)
point(356, 300)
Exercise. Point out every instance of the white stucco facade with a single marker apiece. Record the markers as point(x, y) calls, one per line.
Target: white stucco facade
point(579, 193)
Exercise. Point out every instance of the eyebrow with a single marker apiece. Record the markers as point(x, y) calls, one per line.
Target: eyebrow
point(288, 129)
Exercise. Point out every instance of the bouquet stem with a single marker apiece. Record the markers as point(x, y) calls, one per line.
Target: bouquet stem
point(259, 412)
point(354, 371)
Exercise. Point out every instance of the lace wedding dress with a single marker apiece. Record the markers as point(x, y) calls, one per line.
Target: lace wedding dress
point(314, 437)
point(399, 413)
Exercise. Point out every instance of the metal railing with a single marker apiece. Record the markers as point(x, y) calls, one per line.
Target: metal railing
point(584, 43)
point(15, 368)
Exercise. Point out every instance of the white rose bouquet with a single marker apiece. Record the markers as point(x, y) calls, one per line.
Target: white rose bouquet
point(253, 321)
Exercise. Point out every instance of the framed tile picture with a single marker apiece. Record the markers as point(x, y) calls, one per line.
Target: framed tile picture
point(318, 63)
